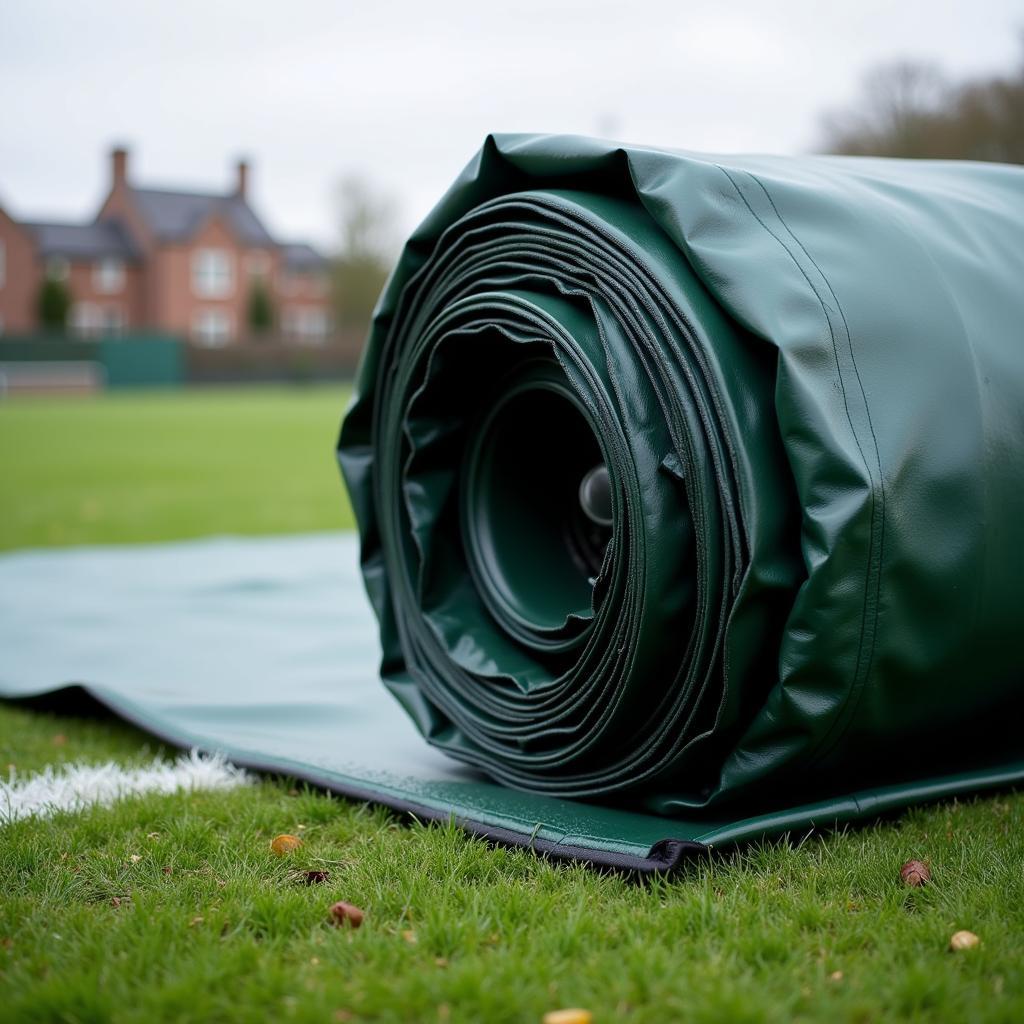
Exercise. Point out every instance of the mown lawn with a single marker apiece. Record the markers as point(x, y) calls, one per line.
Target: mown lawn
point(169, 464)
point(174, 908)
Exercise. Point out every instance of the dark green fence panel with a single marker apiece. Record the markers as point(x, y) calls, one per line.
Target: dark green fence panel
point(137, 360)
point(143, 361)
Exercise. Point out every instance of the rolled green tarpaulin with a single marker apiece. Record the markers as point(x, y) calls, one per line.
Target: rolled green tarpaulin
point(691, 495)
point(695, 485)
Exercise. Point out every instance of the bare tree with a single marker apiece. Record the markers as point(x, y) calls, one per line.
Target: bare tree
point(368, 247)
point(895, 117)
point(911, 110)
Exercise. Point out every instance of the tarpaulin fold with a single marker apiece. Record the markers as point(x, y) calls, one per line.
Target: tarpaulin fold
point(265, 649)
point(690, 502)
point(803, 381)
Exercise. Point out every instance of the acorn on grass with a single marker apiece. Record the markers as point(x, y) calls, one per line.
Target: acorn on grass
point(284, 844)
point(963, 940)
point(346, 915)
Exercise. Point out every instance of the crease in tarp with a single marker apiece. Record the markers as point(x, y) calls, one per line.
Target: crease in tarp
point(845, 270)
point(805, 378)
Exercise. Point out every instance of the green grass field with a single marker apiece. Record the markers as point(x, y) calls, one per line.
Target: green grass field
point(174, 908)
point(161, 465)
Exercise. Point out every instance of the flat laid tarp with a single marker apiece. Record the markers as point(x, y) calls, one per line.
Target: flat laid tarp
point(691, 497)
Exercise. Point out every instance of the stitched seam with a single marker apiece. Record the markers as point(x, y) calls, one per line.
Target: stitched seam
point(881, 488)
point(874, 561)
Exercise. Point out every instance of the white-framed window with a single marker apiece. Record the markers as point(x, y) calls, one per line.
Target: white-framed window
point(3, 263)
point(305, 323)
point(108, 275)
point(258, 263)
point(112, 319)
point(90, 320)
point(86, 319)
point(212, 327)
point(213, 273)
point(58, 268)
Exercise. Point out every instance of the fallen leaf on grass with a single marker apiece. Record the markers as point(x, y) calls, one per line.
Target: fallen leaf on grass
point(410, 936)
point(314, 877)
point(195, 920)
point(284, 844)
point(915, 873)
point(167, 870)
point(346, 915)
point(135, 858)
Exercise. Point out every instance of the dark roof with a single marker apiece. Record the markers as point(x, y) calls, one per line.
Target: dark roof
point(175, 216)
point(83, 241)
point(172, 216)
point(299, 256)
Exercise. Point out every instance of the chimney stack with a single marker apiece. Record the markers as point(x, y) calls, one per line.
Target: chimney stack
point(242, 182)
point(119, 166)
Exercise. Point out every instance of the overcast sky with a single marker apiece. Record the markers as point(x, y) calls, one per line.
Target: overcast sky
point(403, 93)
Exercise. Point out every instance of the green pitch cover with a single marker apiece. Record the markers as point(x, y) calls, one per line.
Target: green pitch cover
point(691, 501)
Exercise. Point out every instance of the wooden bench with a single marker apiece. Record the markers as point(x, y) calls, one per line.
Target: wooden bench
point(58, 377)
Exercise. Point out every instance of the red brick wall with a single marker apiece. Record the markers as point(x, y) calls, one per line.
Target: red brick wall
point(20, 281)
point(178, 303)
point(296, 293)
point(127, 301)
point(120, 206)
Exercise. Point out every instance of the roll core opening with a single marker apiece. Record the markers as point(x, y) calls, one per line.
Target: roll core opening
point(524, 504)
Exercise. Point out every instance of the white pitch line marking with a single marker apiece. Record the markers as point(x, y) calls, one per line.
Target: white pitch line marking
point(76, 787)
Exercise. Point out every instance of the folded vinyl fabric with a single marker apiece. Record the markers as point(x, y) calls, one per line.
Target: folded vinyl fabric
point(691, 500)
point(695, 486)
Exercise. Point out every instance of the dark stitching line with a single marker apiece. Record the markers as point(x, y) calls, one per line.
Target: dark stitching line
point(878, 460)
point(872, 565)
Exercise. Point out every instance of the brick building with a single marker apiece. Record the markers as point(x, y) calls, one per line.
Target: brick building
point(172, 261)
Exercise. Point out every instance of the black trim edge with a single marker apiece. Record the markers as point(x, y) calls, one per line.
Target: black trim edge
point(665, 855)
